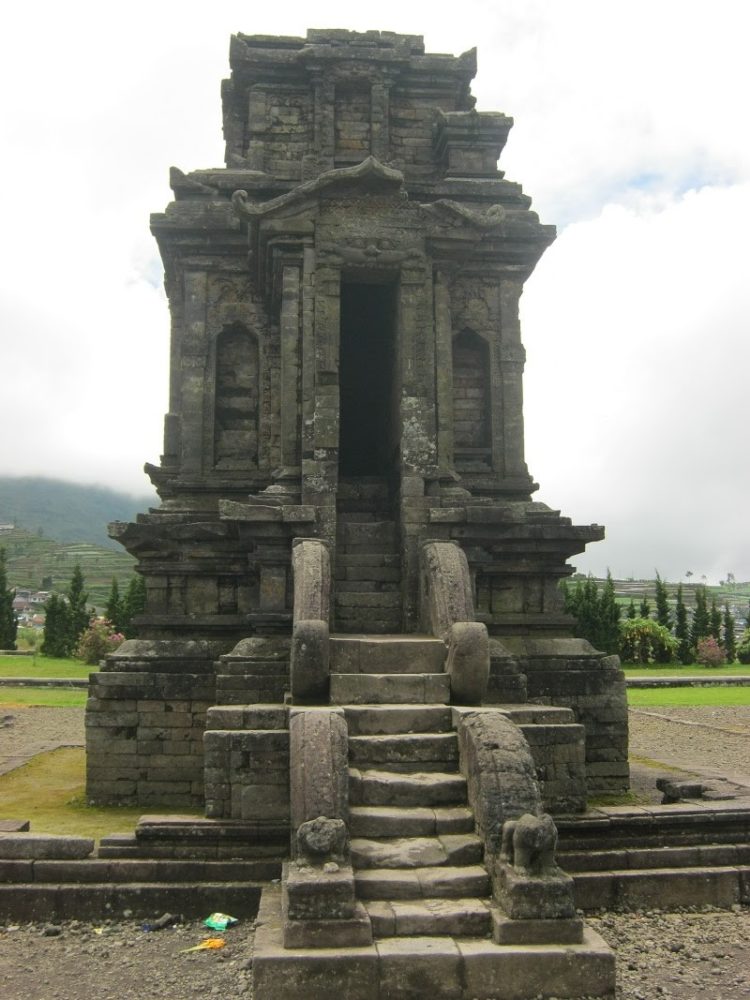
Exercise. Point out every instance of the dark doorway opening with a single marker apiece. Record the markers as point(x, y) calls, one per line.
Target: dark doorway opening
point(367, 441)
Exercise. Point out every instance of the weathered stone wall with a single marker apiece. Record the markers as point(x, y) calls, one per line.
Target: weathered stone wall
point(247, 763)
point(145, 718)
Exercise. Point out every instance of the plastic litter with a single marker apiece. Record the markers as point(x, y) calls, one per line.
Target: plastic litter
point(220, 921)
point(208, 945)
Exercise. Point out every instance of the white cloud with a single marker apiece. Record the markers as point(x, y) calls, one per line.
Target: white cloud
point(629, 134)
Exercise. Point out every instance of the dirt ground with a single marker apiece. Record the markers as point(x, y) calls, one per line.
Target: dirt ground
point(693, 955)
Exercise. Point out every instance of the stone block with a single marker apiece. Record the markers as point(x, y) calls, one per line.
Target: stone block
point(514, 932)
point(420, 966)
point(44, 845)
point(315, 893)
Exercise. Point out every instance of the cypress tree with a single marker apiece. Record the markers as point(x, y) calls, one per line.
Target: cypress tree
point(57, 627)
point(645, 609)
point(133, 603)
point(701, 624)
point(663, 615)
point(114, 606)
point(631, 612)
point(8, 620)
point(608, 618)
point(681, 630)
point(730, 646)
point(78, 614)
point(714, 619)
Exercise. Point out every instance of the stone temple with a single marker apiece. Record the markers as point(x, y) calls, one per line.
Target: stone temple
point(354, 656)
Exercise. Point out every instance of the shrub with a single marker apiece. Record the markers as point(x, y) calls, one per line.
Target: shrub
point(97, 640)
point(642, 640)
point(709, 653)
point(743, 647)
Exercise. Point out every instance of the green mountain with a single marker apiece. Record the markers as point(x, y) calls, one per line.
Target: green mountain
point(66, 512)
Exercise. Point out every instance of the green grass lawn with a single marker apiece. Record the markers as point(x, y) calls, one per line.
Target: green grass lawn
point(49, 791)
point(692, 670)
point(42, 666)
point(51, 697)
point(656, 697)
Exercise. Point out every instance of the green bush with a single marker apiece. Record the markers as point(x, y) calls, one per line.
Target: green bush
point(644, 641)
point(743, 647)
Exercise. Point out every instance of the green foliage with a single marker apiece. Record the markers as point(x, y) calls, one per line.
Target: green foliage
point(709, 653)
point(645, 609)
point(643, 640)
point(681, 630)
point(597, 614)
point(730, 645)
point(743, 647)
point(663, 614)
point(114, 605)
point(133, 604)
point(97, 640)
point(631, 612)
point(8, 621)
point(78, 613)
point(57, 630)
point(701, 624)
point(714, 619)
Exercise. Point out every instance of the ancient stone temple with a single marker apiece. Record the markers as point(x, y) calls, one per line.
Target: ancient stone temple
point(353, 629)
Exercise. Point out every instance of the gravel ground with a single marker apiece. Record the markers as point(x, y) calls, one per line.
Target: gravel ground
point(683, 956)
point(28, 731)
point(710, 741)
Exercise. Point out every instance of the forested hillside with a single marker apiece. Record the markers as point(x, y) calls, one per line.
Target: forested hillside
point(66, 512)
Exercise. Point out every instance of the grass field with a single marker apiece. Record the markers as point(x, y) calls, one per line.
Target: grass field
point(42, 666)
point(49, 791)
point(50, 697)
point(693, 670)
point(653, 697)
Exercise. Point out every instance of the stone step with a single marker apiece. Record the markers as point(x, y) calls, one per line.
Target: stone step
point(681, 824)
point(53, 902)
point(354, 623)
point(633, 858)
point(364, 585)
point(390, 689)
point(364, 720)
point(375, 536)
point(367, 599)
point(363, 559)
point(450, 917)
point(406, 751)
point(387, 654)
point(445, 882)
point(539, 715)
point(386, 788)
point(662, 888)
point(438, 967)
point(452, 849)
point(394, 821)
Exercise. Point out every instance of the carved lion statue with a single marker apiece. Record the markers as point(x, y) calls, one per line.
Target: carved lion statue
point(529, 844)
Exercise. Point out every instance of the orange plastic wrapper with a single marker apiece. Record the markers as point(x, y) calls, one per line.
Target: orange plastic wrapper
point(208, 944)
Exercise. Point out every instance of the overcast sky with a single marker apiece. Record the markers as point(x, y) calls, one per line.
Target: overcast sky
point(631, 136)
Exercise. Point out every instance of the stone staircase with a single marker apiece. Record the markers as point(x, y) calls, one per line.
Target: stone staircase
point(417, 861)
point(367, 588)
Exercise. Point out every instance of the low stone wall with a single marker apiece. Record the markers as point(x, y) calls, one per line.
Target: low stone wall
point(570, 673)
point(145, 718)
